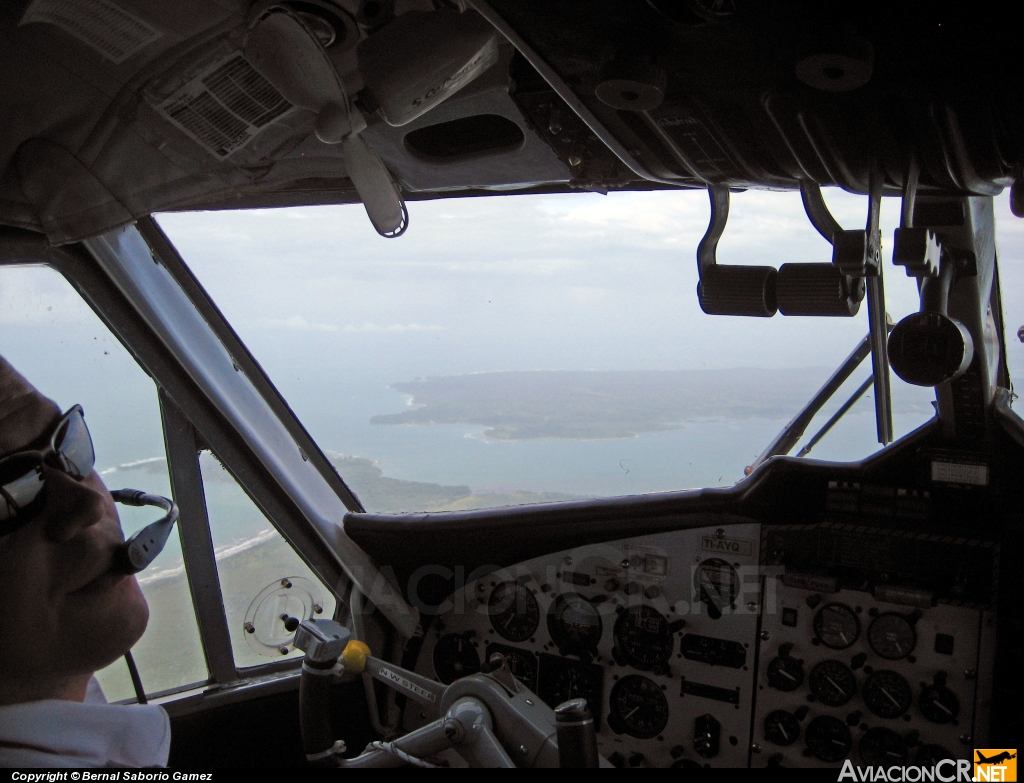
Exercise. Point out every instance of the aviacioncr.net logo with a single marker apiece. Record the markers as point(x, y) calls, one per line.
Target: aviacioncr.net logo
point(945, 771)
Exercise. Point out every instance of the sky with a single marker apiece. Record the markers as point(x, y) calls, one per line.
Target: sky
point(336, 314)
point(579, 281)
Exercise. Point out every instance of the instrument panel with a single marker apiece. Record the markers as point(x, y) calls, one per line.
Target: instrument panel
point(692, 653)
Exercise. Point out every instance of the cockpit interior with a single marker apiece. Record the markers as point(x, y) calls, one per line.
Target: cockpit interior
point(808, 609)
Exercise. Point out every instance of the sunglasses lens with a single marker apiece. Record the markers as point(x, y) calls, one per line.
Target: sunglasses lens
point(73, 445)
point(19, 486)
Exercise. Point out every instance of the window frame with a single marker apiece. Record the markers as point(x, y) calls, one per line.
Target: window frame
point(190, 424)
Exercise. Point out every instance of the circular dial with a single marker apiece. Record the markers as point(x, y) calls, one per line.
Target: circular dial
point(643, 637)
point(887, 694)
point(939, 704)
point(832, 683)
point(828, 739)
point(514, 611)
point(574, 624)
point(837, 626)
point(455, 657)
point(781, 727)
point(891, 636)
point(522, 663)
point(573, 680)
point(716, 584)
point(882, 747)
point(785, 673)
point(638, 707)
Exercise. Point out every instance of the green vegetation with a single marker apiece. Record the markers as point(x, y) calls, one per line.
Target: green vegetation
point(381, 494)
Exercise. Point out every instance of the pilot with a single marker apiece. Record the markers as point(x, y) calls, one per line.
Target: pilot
point(64, 612)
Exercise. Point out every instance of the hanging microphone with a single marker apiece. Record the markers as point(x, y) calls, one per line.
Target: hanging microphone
point(141, 548)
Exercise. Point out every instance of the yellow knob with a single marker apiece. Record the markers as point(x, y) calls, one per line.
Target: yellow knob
point(355, 656)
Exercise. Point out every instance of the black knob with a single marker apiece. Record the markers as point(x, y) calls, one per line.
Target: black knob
point(290, 623)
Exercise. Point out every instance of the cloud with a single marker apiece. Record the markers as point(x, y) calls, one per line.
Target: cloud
point(298, 323)
point(371, 327)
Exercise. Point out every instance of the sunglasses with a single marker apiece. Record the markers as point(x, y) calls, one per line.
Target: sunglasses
point(22, 480)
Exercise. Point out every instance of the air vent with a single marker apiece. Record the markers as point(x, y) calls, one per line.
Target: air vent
point(225, 106)
point(467, 137)
point(108, 28)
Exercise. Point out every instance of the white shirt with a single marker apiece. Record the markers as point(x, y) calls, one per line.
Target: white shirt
point(55, 733)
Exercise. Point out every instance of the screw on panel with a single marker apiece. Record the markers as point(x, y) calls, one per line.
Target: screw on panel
point(249, 628)
point(567, 560)
point(765, 636)
point(720, 533)
point(286, 584)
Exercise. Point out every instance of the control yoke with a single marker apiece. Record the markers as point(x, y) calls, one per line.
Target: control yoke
point(490, 719)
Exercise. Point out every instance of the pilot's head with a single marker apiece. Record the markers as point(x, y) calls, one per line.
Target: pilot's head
point(63, 613)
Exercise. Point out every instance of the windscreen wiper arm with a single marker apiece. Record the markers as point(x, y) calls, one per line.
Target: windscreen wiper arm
point(794, 430)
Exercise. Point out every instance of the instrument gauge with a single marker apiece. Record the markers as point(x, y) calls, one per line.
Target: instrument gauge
point(832, 683)
point(561, 679)
point(785, 673)
point(638, 707)
point(882, 747)
point(514, 612)
point(836, 626)
point(781, 728)
point(930, 755)
point(939, 704)
point(522, 663)
point(887, 694)
point(828, 738)
point(643, 637)
point(891, 636)
point(455, 657)
point(716, 584)
point(574, 624)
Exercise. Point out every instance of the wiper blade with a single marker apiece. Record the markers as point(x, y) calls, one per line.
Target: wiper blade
point(794, 430)
point(837, 416)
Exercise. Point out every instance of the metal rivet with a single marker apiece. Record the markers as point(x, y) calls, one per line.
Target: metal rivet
point(720, 533)
point(765, 636)
point(567, 560)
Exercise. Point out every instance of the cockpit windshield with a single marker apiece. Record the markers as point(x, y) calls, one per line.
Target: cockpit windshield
point(522, 349)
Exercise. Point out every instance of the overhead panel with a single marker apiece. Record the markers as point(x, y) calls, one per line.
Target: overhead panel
point(225, 106)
